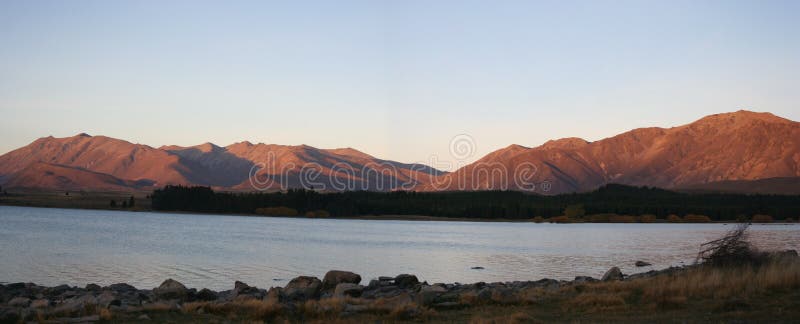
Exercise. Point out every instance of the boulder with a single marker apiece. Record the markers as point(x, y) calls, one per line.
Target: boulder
point(303, 287)
point(9, 315)
point(19, 302)
point(121, 288)
point(171, 289)
point(93, 287)
point(57, 290)
point(40, 303)
point(612, 274)
point(427, 295)
point(406, 281)
point(347, 289)
point(75, 305)
point(335, 277)
point(642, 263)
point(206, 295)
point(242, 289)
point(583, 279)
point(107, 299)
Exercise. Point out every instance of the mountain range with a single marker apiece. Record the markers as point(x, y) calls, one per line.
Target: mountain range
point(721, 152)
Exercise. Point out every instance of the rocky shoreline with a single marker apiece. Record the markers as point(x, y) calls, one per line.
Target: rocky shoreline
point(403, 295)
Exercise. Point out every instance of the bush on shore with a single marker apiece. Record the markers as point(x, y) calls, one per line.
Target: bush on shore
point(559, 219)
point(622, 219)
point(538, 219)
point(692, 218)
point(648, 218)
point(761, 219)
point(319, 213)
point(277, 211)
point(674, 219)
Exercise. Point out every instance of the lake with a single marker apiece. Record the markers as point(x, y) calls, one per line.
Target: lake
point(51, 246)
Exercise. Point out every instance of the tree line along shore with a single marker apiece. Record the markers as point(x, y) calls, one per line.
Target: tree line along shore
point(611, 203)
point(608, 204)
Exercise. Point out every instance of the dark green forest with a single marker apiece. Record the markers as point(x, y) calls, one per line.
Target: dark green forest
point(617, 199)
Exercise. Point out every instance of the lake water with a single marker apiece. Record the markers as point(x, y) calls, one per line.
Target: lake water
point(76, 247)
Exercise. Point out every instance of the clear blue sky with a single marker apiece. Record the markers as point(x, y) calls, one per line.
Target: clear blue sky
point(396, 79)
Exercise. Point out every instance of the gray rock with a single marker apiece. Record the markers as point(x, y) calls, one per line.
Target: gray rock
point(584, 279)
point(19, 302)
point(93, 287)
point(121, 288)
point(171, 289)
point(107, 299)
point(242, 289)
point(75, 305)
point(642, 263)
point(612, 274)
point(406, 280)
point(347, 289)
point(427, 295)
point(9, 315)
point(206, 295)
point(335, 277)
point(303, 287)
point(374, 284)
point(40, 303)
point(57, 290)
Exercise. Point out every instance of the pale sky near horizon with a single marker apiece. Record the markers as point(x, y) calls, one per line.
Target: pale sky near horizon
point(395, 79)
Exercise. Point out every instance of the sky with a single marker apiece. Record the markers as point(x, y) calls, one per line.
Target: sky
point(395, 79)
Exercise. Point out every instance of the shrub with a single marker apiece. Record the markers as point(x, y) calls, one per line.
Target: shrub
point(601, 218)
point(538, 219)
point(318, 213)
point(276, 211)
point(622, 219)
point(789, 220)
point(731, 249)
point(559, 219)
point(762, 219)
point(648, 218)
point(674, 218)
point(574, 211)
point(692, 218)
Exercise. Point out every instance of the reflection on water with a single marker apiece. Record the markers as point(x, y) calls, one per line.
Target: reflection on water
point(76, 247)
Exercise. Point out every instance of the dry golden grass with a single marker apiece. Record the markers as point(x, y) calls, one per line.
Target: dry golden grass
point(674, 218)
point(252, 308)
point(105, 314)
point(323, 308)
point(597, 302)
point(158, 307)
point(677, 290)
point(515, 318)
point(538, 219)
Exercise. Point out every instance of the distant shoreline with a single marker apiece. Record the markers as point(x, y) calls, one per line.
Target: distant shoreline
point(421, 218)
